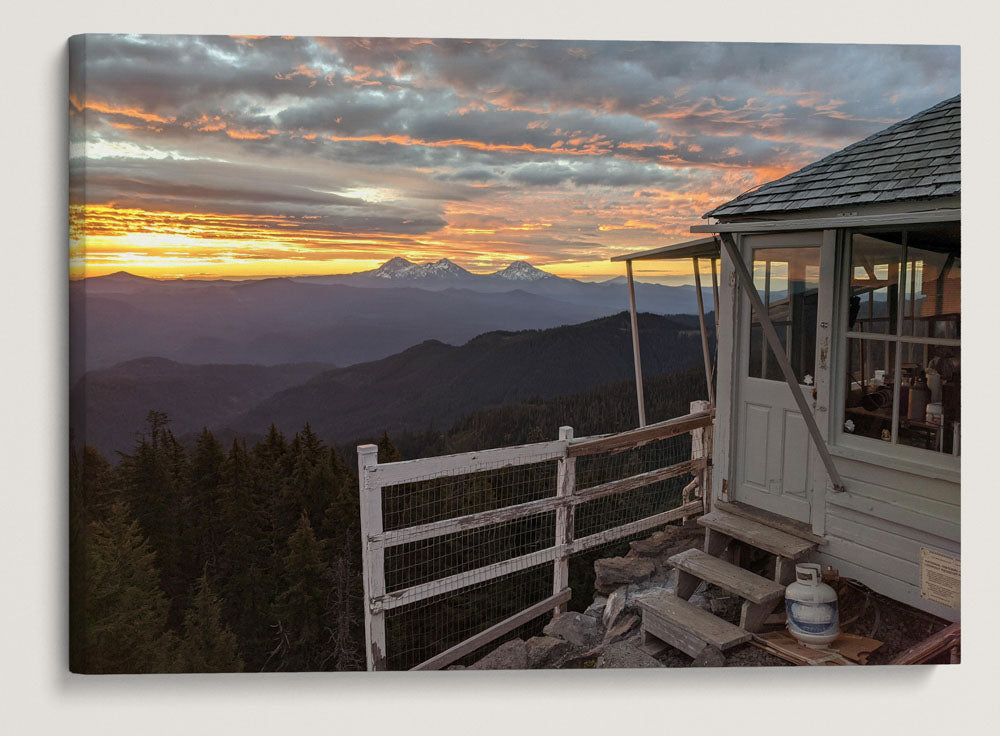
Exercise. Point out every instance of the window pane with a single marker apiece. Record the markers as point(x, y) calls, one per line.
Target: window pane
point(930, 410)
point(868, 400)
point(787, 280)
point(932, 306)
point(875, 260)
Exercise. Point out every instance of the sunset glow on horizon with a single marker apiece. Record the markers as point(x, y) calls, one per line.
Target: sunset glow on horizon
point(222, 157)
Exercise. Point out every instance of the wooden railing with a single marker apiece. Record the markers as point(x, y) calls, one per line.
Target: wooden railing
point(374, 477)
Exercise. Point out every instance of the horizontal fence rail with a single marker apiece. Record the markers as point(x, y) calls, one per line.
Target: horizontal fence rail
point(512, 509)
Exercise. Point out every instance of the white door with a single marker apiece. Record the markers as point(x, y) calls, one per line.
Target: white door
point(773, 448)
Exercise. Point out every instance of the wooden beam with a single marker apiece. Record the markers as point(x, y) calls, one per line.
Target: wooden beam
point(396, 537)
point(638, 481)
point(428, 468)
point(495, 632)
point(636, 359)
point(931, 647)
point(715, 298)
point(638, 437)
point(823, 223)
point(743, 275)
point(704, 334)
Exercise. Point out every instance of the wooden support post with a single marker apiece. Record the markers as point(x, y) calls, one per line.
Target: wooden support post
point(565, 487)
point(373, 558)
point(753, 615)
point(715, 297)
point(784, 570)
point(635, 345)
point(686, 584)
point(699, 450)
point(704, 333)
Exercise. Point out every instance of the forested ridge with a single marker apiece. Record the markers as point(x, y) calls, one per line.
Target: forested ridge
point(212, 558)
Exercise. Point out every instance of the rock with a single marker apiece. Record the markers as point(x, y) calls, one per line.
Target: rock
point(575, 628)
point(621, 629)
point(623, 655)
point(510, 656)
point(656, 545)
point(596, 609)
point(710, 657)
point(616, 604)
point(613, 572)
point(544, 651)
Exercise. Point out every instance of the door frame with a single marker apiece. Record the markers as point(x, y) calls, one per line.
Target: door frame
point(734, 338)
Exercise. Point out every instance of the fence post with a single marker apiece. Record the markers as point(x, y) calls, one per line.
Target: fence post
point(565, 486)
point(701, 448)
point(373, 560)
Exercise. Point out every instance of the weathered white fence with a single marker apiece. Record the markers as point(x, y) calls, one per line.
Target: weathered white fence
point(375, 477)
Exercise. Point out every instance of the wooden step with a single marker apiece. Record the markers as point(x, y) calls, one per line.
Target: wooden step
point(687, 627)
point(756, 534)
point(729, 577)
point(781, 523)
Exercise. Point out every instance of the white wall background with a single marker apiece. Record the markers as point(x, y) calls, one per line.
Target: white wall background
point(38, 694)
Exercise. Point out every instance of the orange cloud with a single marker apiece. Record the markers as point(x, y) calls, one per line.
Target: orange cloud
point(109, 109)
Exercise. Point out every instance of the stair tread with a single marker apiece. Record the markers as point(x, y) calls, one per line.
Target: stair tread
point(757, 534)
point(687, 616)
point(727, 576)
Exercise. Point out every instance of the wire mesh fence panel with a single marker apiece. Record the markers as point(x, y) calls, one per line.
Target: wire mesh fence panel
point(468, 491)
point(417, 632)
point(593, 470)
point(469, 555)
point(633, 504)
point(440, 557)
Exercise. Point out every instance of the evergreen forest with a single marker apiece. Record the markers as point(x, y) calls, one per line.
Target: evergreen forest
point(196, 556)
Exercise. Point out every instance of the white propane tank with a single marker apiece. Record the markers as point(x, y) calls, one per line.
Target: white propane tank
point(811, 607)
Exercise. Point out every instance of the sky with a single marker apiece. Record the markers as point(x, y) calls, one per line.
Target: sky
point(244, 157)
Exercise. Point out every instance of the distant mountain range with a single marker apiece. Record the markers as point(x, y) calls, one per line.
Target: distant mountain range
point(429, 384)
point(343, 319)
point(440, 274)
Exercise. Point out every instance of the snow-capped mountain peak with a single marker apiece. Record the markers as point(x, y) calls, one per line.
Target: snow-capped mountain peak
point(400, 268)
point(522, 271)
point(394, 268)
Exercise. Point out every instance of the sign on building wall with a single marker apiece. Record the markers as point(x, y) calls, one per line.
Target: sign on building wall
point(940, 576)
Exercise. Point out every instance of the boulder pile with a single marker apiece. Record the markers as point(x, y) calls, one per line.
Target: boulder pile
point(608, 633)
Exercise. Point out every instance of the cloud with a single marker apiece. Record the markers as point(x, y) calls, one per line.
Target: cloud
point(563, 132)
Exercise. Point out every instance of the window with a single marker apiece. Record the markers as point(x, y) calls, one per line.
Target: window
point(902, 342)
point(787, 280)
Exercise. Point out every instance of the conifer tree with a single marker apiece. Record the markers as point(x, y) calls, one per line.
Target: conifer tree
point(207, 644)
point(125, 610)
point(387, 452)
point(152, 485)
point(244, 580)
point(200, 527)
point(345, 614)
point(301, 607)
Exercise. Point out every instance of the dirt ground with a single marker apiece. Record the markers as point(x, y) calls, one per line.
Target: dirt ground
point(862, 611)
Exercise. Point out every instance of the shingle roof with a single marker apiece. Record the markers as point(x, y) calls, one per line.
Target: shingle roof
point(916, 158)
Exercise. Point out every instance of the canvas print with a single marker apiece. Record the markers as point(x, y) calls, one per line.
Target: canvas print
point(447, 354)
